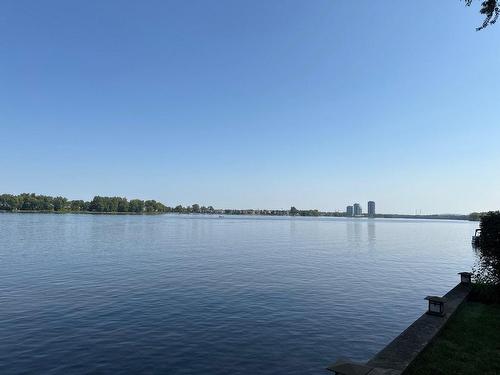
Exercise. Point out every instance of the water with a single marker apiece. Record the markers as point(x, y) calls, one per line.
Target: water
point(199, 294)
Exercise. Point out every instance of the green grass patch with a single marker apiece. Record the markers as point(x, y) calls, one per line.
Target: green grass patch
point(468, 344)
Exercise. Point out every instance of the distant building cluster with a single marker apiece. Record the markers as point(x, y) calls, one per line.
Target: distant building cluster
point(356, 210)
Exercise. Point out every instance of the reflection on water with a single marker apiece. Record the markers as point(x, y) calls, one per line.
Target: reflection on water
point(196, 294)
point(361, 232)
point(371, 233)
point(353, 230)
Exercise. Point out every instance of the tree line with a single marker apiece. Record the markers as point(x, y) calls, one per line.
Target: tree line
point(34, 202)
point(45, 203)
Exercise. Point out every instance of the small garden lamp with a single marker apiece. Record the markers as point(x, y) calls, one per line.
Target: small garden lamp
point(465, 277)
point(436, 305)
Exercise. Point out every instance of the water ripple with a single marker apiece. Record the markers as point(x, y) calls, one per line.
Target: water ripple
point(187, 294)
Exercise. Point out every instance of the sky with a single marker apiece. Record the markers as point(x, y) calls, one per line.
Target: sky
point(252, 104)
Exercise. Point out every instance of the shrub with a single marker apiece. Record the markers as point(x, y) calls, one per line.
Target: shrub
point(485, 293)
point(487, 271)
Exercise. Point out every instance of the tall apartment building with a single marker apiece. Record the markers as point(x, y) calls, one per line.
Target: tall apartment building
point(349, 211)
point(357, 209)
point(371, 209)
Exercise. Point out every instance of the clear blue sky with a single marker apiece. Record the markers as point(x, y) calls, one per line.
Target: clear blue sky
point(252, 104)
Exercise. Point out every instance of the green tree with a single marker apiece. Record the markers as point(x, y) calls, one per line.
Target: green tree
point(475, 216)
point(78, 205)
point(59, 203)
point(490, 9)
point(293, 211)
point(112, 204)
point(160, 207)
point(33, 202)
point(8, 202)
point(122, 205)
point(136, 205)
point(489, 248)
point(97, 204)
point(150, 206)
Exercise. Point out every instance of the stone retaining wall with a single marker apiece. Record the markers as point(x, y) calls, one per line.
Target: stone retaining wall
point(397, 356)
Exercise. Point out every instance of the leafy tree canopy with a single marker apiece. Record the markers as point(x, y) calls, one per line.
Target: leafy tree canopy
point(490, 9)
point(489, 249)
point(33, 202)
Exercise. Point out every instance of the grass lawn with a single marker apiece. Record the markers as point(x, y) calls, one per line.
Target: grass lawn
point(469, 344)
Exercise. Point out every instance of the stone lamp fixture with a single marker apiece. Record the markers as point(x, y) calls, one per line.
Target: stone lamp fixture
point(436, 305)
point(465, 277)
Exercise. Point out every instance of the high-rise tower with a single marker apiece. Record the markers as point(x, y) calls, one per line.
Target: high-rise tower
point(357, 209)
point(371, 209)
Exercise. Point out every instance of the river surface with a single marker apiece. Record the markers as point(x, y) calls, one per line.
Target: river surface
point(177, 294)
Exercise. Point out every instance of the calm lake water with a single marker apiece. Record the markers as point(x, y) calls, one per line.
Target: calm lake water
point(202, 294)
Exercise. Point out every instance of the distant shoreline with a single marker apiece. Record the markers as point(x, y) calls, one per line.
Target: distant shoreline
point(101, 205)
point(239, 213)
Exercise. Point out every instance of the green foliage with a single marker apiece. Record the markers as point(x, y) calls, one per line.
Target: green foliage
point(295, 212)
point(488, 269)
point(490, 9)
point(79, 205)
point(8, 202)
point(154, 206)
point(30, 202)
point(136, 205)
point(33, 202)
point(485, 293)
point(123, 205)
point(309, 213)
point(59, 203)
point(490, 231)
point(475, 216)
